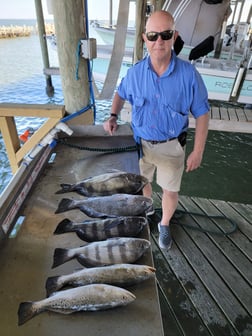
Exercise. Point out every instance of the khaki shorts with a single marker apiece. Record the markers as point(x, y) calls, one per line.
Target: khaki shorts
point(167, 159)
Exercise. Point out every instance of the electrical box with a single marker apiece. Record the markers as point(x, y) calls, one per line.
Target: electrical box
point(88, 48)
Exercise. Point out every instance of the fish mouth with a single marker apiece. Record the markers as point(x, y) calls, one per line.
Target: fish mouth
point(131, 295)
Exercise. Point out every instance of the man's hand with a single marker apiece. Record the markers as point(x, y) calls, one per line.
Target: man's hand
point(110, 125)
point(193, 161)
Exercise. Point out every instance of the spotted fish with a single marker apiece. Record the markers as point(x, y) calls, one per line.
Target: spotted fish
point(107, 252)
point(101, 229)
point(85, 298)
point(119, 275)
point(109, 206)
point(107, 184)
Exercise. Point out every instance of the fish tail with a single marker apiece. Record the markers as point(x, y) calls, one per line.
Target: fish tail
point(63, 226)
point(65, 188)
point(61, 255)
point(64, 205)
point(52, 285)
point(26, 311)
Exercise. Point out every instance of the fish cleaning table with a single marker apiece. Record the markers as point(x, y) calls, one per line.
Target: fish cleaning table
point(26, 260)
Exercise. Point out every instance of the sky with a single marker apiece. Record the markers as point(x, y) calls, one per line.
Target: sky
point(25, 9)
point(98, 9)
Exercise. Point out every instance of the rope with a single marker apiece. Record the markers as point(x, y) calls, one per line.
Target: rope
point(180, 213)
point(104, 150)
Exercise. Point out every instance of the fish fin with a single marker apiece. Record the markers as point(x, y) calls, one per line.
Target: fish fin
point(52, 285)
point(63, 226)
point(64, 205)
point(111, 225)
point(114, 170)
point(65, 188)
point(88, 262)
point(82, 236)
point(26, 311)
point(61, 255)
point(92, 213)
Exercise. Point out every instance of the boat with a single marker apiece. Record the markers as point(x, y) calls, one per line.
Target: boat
point(221, 53)
point(107, 33)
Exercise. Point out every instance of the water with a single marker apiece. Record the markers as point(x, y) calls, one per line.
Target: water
point(227, 167)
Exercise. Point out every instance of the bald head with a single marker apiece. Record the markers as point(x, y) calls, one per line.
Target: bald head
point(160, 19)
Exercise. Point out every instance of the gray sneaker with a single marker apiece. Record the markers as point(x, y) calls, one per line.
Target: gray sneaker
point(165, 239)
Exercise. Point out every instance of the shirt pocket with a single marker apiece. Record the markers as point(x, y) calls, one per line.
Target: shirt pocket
point(138, 115)
point(174, 121)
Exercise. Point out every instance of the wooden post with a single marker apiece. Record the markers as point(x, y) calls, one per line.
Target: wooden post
point(43, 45)
point(140, 25)
point(70, 29)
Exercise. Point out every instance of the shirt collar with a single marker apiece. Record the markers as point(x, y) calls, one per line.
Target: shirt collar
point(170, 67)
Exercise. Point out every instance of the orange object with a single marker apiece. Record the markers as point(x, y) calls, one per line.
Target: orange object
point(24, 137)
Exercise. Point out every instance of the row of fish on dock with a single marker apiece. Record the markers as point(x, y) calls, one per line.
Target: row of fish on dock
point(111, 247)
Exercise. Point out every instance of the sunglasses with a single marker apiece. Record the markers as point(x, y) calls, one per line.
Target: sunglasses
point(165, 35)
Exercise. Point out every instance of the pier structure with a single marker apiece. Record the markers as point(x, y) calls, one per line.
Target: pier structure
point(15, 31)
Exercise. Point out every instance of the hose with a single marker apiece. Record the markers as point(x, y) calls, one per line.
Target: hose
point(180, 213)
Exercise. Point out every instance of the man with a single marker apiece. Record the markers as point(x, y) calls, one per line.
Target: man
point(162, 90)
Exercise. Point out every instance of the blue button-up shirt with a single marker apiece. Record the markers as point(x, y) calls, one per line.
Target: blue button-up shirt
point(161, 104)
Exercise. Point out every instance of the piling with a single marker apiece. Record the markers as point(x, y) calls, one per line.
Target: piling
point(43, 44)
point(140, 25)
point(70, 28)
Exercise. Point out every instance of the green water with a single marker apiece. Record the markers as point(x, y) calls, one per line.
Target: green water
point(226, 170)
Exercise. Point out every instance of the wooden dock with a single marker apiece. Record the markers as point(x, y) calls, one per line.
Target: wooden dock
point(226, 118)
point(229, 119)
point(205, 279)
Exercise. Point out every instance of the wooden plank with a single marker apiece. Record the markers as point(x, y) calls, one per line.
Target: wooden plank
point(221, 261)
point(229, 126)
point(36, 138)
point(183, 264)
point(215, 112)
point(11, 140)
point(248, 113)
point(240, 114)
point(232, 114)
point(32, 110)
point(240, 240)
point(169, 323)
point(228, 211)
point(244, 210)
point(224, 113)
point(177, 300)
point(211, 280)
point(224, 243)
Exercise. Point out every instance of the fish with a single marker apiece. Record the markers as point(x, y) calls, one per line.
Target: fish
point(109, 206)
point(121, 275)
point(107, 252)
point(92, 297)
point(101, 229)
point(110, 183)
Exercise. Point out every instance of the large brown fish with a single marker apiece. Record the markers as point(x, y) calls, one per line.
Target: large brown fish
point(119, 275)
point(106, 252)
point(85, 298)
point(109, 206)
point(101, 229)
point(116, 182)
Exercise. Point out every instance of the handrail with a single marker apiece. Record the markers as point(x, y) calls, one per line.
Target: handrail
point(16, 152)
